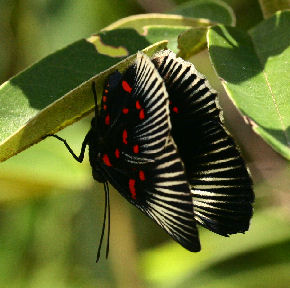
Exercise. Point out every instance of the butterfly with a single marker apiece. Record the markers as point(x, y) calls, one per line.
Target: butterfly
point(159, 139)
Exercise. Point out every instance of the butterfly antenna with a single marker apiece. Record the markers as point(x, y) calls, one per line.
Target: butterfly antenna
point(95, 97)
point(103, 228)
point(109, 219)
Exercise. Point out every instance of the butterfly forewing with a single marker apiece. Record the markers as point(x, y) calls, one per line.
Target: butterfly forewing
point(220, 184)
point(140, 157)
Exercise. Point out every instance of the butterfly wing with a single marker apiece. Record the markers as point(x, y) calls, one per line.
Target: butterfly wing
point(139, 155)
point(220, 183)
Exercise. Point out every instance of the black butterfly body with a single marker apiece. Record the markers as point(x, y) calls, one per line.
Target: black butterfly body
point(159, 140)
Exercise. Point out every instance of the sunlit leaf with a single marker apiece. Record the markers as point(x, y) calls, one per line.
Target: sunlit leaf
point(26, 110)
point(254, 69)
point(140, 22)
point(56, 91)
point(156, 27)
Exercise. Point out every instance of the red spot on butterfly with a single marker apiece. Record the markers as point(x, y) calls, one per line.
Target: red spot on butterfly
point(175, 109)
point(138, 106)
point(117, 153)
point(136, 149)
point(124, 136)
point(106, 91)
point(104, 98)
point(125, 110)
point(107, 120)
point(132, 188)
point(105, 107)
point(170, 102)
point(141, 114)
point(126, 86)
point(106, 160)
point(141, 175)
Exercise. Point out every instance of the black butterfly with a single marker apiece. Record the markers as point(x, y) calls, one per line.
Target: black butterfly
point(159, 140)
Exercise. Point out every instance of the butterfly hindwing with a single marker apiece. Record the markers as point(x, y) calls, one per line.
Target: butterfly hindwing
point(220, 183)
point(140, 157)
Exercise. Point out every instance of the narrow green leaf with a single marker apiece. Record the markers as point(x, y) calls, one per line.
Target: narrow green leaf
point(214, 10)
point(170, 33)
point(192, 41)
point(142, 21)
point(270, 7)
point(254, 69)
point(156, 27)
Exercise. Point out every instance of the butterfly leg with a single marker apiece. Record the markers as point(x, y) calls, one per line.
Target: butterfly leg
point(79, 158)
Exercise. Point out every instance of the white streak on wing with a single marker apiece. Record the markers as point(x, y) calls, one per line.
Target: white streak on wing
point(206, 186)
point(170, 191)
point(217, 170)
point(210, 179)
point(169, 175)
point(165, 199)
point(203, 193)
point(169, 219)
point(220, 161)
point(157, 197)
point(172, 183)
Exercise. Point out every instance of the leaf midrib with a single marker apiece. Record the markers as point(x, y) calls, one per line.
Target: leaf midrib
point(271, 91)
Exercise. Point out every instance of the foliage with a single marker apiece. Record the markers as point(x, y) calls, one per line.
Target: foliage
point(49, 210)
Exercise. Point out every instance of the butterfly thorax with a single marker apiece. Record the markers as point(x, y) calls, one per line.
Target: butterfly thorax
point(97, 146)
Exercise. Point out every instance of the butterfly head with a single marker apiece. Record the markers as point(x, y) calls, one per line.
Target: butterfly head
point(99, 174)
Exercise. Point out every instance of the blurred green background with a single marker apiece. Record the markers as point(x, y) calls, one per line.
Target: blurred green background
point(51, 209)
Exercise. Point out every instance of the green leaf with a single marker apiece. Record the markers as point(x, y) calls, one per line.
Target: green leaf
point(192, 41)
point(56, 91)
point(214, 10)
point(32, 105)
point(170, 264)
point(254, 69)
point(155, 33)
point(156, 27)
point(253, 269)
point(270, 7)
point(142, 21)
